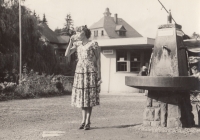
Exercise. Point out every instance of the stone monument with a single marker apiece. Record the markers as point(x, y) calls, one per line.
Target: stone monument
point(168, 84)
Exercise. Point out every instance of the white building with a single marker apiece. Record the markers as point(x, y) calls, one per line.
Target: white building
point(123, 51)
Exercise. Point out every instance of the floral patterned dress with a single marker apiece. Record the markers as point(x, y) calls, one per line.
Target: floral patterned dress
point(85, 92)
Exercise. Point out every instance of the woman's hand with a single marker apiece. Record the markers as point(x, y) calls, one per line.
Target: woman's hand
point(72, 39)
point(69, 49)
point(99, 82)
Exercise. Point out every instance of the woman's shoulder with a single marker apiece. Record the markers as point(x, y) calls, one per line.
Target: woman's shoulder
point(94, 44)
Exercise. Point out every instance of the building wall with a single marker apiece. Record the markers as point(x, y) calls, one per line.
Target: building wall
point(99, 36)
point(113, 81)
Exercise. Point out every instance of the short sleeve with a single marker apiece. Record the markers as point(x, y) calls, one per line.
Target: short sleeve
point(96, 49)
point(95, 45)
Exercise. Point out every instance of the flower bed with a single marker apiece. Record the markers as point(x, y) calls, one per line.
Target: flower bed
point(34, 86)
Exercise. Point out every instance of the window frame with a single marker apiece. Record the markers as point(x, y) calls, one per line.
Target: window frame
point(122, 33)
point(121, 60)
point(95, 33)
point(129, 61)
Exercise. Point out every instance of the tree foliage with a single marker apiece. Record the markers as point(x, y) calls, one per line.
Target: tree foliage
point(69, 21)
point(44, 19)
point(35, 54)
point(68, 28)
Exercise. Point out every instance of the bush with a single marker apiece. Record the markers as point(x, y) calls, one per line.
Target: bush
point(7, 90)
point(34, 86)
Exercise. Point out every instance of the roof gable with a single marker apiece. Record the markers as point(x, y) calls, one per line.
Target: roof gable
point(131, 32)
point(120, 28)
point(51, 36)
point(48, 33)
point(110, 27)
point(98, 24)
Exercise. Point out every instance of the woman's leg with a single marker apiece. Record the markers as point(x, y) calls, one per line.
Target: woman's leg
point(84, 113)
point(83, 118)
point(88, 116)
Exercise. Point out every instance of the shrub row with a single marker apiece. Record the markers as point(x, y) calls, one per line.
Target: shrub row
point(34, 86)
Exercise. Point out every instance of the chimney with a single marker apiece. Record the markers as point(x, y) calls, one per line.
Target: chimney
point(115, 19)
point(107, 12)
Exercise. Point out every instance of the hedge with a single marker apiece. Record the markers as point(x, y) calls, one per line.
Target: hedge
point(35, 86)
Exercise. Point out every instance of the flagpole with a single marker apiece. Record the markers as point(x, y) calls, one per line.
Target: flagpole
point(20, 43)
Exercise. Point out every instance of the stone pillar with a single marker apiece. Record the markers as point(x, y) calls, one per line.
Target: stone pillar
point(167, 109)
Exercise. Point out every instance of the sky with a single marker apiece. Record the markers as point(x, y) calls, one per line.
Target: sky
point(143, 15)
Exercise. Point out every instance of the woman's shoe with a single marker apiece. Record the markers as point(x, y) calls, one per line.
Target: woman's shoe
point(87, 127)
point(82, 126)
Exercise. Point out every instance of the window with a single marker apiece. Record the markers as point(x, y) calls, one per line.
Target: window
point(121, 60)
point(130, 60)
point(122, 33)
point(96, 33)
point(122, 66)
point(135, 61)
point(102, 33)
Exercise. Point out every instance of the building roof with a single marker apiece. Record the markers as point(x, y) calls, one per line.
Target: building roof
point(48, 33)
point(138, 42)
point(192, 45)
point(63, 39)
point(120, 28)
point(51, 36)
point(109, 24)
point(98, 24)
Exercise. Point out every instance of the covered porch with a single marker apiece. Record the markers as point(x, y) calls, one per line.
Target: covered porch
point(123, 57)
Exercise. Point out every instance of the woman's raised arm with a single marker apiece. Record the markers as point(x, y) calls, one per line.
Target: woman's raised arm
point(71, 48)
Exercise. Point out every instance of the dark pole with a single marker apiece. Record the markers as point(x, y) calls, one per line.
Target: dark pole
point(20, 43)
point(166, 10)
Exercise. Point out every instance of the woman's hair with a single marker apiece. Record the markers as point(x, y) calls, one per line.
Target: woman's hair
point(86, 31)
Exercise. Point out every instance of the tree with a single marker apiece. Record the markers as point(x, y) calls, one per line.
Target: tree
point(44, 19)
point(34, 54)
point(69, 21)
point(69, 25)
point(34, 14)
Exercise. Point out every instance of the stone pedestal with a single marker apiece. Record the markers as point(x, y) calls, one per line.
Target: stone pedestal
point(168, 100)
point(168, 109)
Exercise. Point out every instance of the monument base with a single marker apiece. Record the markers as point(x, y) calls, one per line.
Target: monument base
point(168, 109)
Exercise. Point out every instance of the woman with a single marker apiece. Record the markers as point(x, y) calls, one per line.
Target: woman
point(143, 72)
point(87, 78)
